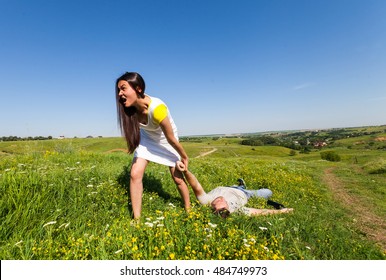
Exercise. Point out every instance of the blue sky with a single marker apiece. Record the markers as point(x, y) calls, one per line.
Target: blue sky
point(221, 66)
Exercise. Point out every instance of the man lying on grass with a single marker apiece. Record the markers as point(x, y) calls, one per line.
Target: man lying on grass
point(226, 200)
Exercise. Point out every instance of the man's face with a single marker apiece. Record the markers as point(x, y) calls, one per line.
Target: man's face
point(219, 203)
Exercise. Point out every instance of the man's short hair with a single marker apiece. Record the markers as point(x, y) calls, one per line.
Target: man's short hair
point(223, 213)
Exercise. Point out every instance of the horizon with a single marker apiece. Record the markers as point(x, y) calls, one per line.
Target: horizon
point(205, 135)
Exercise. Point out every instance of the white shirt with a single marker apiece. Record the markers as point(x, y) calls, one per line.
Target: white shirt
point(235, 198)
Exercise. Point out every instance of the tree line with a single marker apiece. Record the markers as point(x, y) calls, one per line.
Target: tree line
point(15, 138)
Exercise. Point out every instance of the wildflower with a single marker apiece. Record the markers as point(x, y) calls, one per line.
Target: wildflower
point(247, 245)
point(308, 247)
point(107, 226)
point(117, 252)
point(18, 243)
point(49, 223)
point(212, 225)
point(263, 228)
point(89, 186)
point(172, 205)
point(64, 225)
point(160, 225)
point(172, 256)
point(149, 224)
point(160, 218)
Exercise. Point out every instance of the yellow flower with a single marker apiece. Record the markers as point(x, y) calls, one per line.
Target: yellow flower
point(171, 256)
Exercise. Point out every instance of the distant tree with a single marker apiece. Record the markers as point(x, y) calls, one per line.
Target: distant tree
point(305, 150)
point(268, 140)
point(252, 142)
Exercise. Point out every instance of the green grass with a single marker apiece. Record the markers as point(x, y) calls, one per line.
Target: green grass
point(67, 199)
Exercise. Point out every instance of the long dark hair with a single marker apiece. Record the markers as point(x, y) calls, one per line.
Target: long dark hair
point(127, 116)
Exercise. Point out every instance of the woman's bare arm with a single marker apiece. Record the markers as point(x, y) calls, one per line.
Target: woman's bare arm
point(167, 129)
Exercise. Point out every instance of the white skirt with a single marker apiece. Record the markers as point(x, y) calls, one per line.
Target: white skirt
point(163, 154)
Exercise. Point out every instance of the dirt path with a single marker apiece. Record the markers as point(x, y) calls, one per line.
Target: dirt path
point(372, 225)
point(125, 151)
point(206, 153)
point(117, 150)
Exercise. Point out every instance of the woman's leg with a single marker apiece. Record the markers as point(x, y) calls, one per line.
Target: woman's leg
point(136, 186)
point(178, 178)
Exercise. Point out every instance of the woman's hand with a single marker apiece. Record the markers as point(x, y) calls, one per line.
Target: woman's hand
point(185, 162)
point(180, 166)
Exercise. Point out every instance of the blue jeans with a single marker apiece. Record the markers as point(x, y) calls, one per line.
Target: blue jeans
point(265, 193)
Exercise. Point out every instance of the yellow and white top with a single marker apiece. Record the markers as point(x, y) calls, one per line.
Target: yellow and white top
point(153, 145)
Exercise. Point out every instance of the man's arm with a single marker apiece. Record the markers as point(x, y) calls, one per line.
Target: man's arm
point(262, 212)
point(191, 179)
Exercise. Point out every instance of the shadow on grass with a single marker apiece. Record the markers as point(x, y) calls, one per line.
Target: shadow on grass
point(151, 184)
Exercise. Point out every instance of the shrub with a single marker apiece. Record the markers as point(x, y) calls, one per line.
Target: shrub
point(376, 167)
point(330, 156)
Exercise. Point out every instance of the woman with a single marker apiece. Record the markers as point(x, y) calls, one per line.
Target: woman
point(150, 133)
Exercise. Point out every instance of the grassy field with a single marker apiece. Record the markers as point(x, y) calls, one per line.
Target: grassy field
point(68, 199)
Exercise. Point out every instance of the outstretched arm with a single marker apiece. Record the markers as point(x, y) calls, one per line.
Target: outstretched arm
point(261, 212)
point(191, 179)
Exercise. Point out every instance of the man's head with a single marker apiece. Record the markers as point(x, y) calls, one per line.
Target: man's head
point(220, 207)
